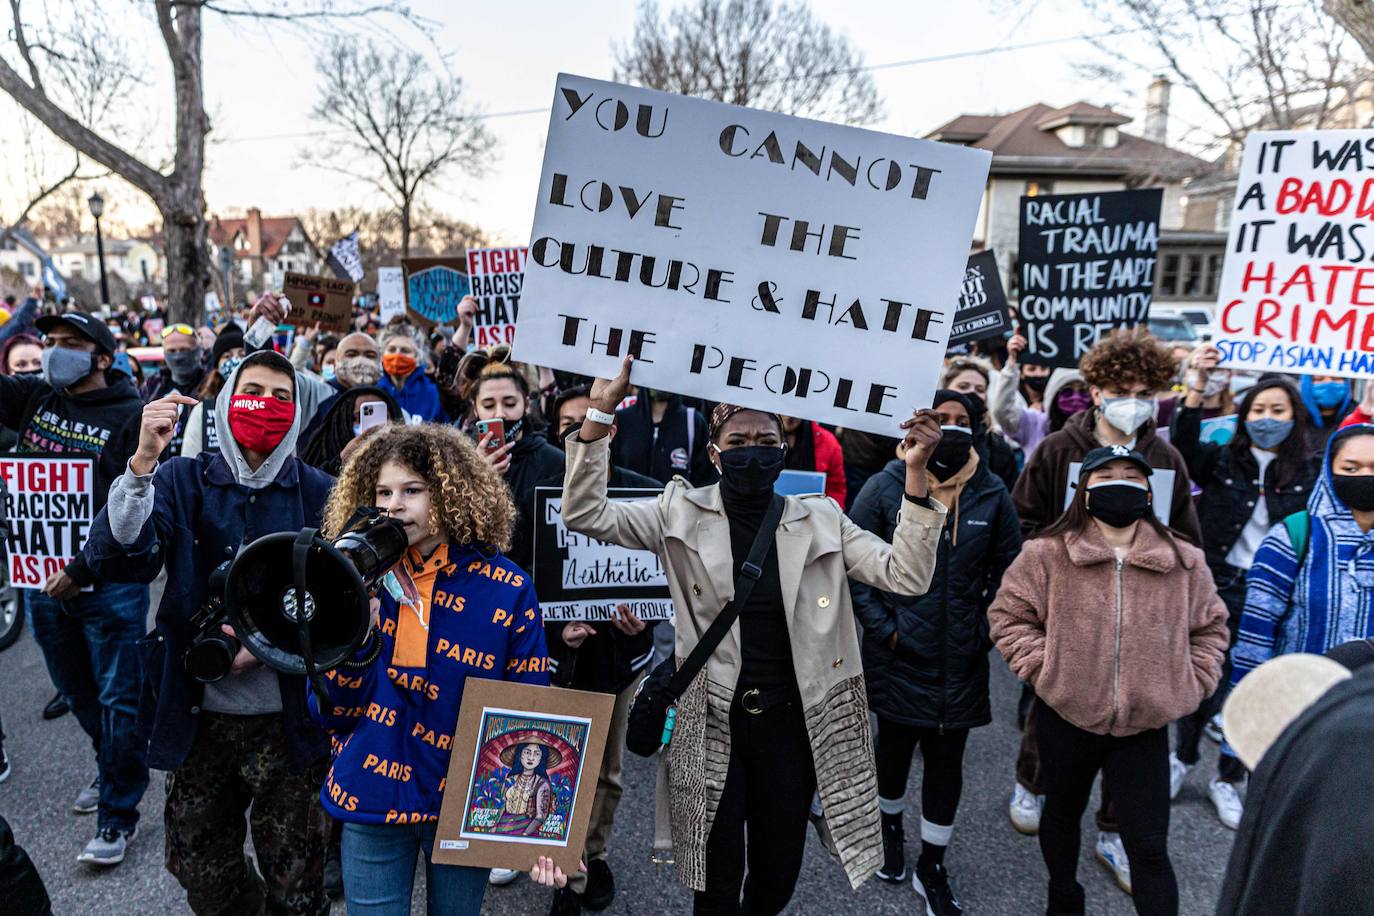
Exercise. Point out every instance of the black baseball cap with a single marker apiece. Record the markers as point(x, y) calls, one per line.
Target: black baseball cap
point(1109, 453)
point(91, 327)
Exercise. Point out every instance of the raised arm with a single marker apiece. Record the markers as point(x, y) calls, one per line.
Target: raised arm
point(904, 566)
point(637, 524)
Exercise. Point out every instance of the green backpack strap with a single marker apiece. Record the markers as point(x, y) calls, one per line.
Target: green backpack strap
point(1297, 525)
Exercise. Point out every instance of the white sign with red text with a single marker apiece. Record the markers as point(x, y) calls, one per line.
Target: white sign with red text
point(48, 509)
point(497, 275)
point(1297, 290)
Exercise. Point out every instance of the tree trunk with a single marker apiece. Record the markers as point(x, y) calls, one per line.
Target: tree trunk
point(1357, 18)
point(405, 229)
point(188, 262)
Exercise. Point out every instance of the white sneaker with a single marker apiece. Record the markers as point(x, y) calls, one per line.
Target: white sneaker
point(502, 876)
point(1112, 855)
point(1213, 728)
point(1227, 801)
point(1178, 771)
point(1025, 809)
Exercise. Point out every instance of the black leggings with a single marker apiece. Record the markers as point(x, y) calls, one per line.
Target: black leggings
point(768, 790)
point(1136, 769)
point(942, 775)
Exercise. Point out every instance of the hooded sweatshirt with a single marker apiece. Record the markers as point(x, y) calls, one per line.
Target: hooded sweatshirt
point(1019, 422)
point(1314, 602)
point(1299, 849)
point(256, 691)
point(102, 423)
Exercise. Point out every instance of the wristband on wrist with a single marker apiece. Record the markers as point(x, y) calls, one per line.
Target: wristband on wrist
point(600, 416)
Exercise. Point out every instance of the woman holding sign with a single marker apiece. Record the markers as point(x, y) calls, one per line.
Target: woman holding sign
point(1110, 675)
point(777, 714)
point(1255, 481)
point(454, 608)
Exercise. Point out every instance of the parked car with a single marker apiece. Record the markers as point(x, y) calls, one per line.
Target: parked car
point(1173, 327)
point(11, 612)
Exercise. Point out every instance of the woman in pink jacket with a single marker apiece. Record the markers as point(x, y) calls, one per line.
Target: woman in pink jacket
point(1115, 622)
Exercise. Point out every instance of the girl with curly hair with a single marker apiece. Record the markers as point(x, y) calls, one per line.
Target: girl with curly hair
point(454, 608)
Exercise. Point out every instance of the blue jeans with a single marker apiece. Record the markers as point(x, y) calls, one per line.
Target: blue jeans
point(90, 645)
point(379, 872)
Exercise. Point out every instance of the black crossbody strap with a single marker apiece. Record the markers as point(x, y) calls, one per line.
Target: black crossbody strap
point(748, 575)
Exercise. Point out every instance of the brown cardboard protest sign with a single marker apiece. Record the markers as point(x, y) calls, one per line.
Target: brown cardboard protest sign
point(434, 287)
point(522, 776)
point(327, 301)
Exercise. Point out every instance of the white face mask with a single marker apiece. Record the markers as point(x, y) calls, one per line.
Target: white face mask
point(1216, 383)
point(1128, 414)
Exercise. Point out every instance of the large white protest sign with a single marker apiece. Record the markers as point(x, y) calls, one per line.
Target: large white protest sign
point(48, 509)
point(1297, 289)
point(746, 256)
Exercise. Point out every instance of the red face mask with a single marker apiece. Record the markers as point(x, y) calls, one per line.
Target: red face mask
point(259, 422)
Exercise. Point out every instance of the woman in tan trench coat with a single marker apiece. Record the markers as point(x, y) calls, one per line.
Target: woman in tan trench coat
point(779, 712)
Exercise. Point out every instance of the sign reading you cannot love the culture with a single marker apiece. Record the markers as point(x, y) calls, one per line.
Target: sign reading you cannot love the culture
point(1087, 268)
point(746, 256)
point(1297, 288)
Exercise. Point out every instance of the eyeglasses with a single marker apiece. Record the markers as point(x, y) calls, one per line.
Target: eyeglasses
point(178, 329)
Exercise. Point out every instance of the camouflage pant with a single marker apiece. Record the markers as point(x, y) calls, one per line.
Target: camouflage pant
point(238, 762)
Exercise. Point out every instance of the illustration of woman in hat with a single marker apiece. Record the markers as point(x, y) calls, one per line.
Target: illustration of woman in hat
point(528, 793)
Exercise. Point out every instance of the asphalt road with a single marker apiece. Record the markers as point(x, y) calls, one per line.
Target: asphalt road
point(996, 870)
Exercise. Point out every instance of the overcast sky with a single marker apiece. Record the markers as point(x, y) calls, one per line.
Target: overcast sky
point(261, 85)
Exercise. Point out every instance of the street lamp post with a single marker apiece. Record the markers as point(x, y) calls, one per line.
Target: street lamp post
point(97, 204)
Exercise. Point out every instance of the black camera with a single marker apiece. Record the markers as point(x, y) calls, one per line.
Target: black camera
point(212, 650)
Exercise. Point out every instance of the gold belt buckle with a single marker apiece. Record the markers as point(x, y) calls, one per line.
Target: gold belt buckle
point(744, 702)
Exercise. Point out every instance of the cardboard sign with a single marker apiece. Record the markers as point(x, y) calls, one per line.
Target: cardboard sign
point(434, 287)
point(48, 509)
point(1161, 487)
point(1297, 286)
point(326, 300)
point(391, 293)
point(982, 310)
point(522, 775)
point(1087, 268)
point(746, 256)
point(580, 578)
point(497, 275)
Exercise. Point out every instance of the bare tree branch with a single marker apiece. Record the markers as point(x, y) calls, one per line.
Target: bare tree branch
point(1357, 18)
point(758, 53)
point(404, 126)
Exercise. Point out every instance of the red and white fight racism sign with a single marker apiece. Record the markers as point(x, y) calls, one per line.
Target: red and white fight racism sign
point(48, 509)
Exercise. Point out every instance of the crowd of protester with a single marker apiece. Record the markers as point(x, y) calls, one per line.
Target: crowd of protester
point(1135, 536)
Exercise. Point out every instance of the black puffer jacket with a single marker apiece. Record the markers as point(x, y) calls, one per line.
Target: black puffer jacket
point(1230, 487)
point(532, 459)
point(938, 674)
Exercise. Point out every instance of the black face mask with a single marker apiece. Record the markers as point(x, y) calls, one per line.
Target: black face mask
point(952, 452)
point(1036, 383)
point(1355, 490)
point(748, 471)
point(1118, 503)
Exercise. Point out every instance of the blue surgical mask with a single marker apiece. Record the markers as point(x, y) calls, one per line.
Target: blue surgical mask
point(327, 373)
point(1268, 432)
point(357, 430)
point(1330, 395)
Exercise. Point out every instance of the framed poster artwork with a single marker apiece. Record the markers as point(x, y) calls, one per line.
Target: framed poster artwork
point(522, 776)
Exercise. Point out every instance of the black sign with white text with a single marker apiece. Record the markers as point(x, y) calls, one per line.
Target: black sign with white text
point(1087, 267)
point(982, 312)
